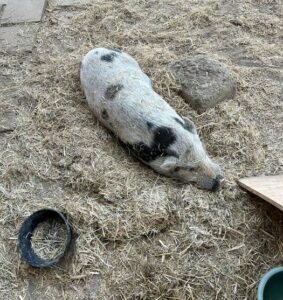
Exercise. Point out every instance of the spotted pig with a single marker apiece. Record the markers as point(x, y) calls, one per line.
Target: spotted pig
point(122, 98)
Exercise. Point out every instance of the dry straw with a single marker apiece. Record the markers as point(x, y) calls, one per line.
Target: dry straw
point(140, 235)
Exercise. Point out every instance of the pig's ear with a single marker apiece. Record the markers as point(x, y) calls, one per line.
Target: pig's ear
point(169, 163)
point(189, 125)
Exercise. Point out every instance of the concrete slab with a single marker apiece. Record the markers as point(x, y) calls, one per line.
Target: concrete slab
point(19, 11)
point(18, 37)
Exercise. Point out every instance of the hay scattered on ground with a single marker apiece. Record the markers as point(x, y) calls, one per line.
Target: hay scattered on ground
point(49, 239)
point(140, 235)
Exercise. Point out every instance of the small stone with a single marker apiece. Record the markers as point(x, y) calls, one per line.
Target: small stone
point(204, 81)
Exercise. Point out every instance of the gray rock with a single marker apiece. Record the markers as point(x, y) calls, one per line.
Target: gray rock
point(205, 82)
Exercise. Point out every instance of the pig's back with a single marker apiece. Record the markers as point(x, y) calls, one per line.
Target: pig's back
point(121, 96)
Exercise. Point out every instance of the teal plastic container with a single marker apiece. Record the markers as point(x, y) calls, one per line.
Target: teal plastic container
point(271, 285)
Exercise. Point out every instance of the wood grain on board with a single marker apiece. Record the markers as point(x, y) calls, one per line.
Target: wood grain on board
point(269, 188)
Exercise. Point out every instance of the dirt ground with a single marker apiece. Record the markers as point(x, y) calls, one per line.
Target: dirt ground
point(140, 235)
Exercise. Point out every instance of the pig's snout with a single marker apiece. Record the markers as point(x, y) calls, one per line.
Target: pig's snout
point(217, 182)
point(212, 184)
point(212, 177)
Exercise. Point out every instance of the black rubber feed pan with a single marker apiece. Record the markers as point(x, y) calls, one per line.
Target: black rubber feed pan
point(26, 232)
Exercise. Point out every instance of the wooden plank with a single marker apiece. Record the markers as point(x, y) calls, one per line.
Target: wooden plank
point(269, 188)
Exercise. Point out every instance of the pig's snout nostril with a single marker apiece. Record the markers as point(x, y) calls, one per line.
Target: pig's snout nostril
point(217, 182)
point(216, 185)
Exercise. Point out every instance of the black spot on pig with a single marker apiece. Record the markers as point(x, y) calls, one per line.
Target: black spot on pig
point(108, 57)
point(112, 91)
point(163, 138)
point(189, 126)
point(149, 125)
point(104, 114)
point(177, 169)
point(179, 121)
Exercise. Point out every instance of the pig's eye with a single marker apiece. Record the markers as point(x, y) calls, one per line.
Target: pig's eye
point(177, 169)
point(187, 168)
point(191, 168)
